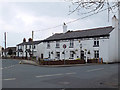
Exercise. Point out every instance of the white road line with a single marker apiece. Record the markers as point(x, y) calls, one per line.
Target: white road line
point(1, 68)
point(9, 66)
point(59, 74)
point(94, 69)
point(71, 73)
point(9, 79)
point(49, 75)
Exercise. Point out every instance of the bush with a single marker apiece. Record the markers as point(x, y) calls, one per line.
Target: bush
point(78, 59)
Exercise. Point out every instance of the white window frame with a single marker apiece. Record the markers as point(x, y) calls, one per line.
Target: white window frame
point(57, 44)
point(96, 54)
point(71, 44)
point(48, 45)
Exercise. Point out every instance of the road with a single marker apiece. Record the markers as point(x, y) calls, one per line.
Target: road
point(15, 75)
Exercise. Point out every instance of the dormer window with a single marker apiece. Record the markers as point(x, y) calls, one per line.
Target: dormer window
point(96, 42)
point(48, 45)
point(71, 44)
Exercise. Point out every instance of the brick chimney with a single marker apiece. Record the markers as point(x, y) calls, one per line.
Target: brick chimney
point(30, 39)
point(24, 39)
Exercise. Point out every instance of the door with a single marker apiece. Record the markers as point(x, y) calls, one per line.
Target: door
point(42, 56)
point(57, 55)
point(82, 54)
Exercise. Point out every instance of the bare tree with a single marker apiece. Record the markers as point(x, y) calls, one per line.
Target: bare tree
point(91, 6)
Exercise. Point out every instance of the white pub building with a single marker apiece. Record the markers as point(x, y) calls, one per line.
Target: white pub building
point(101, 42)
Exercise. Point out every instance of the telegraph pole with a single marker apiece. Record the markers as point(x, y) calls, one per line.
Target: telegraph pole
point(5, 43)
point(32, 41)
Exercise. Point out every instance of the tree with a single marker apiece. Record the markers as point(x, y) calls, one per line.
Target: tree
point(10, 51)
point(91, 6)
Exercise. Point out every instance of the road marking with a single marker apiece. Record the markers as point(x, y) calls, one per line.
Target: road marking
point(71, 73)
point(9, 79)
point(49, 75)
point(94, 69)
point(1, 68)
point(59, 74)
point(9, 66)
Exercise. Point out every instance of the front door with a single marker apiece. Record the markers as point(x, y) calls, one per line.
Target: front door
point(57, 55)
point(42, 56)
point(82, 54)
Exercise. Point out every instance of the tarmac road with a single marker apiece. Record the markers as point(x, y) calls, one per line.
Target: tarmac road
point(15, 75)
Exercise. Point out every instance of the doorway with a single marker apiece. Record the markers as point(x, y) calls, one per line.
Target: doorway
point(42, 56)
point(82, 54)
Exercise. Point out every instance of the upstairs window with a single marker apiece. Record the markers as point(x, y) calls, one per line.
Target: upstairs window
point(34, 47)
point(25, 46)
point(48, 45)
point(96, 42)
point(71, 44)
point(57, 44)
point(96, 54)
point(29, 46)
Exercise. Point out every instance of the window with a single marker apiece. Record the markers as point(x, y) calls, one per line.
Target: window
point(96, 42)
point(29, 46)
point(71, 44)
point(57, 44)
point(25, 46)
point(96, 54)
point(48, 45)
point(71, 54)
point(21, 47)
point(34, 46)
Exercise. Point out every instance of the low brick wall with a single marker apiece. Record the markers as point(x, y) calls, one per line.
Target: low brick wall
point(92, 61)
point(61, 62)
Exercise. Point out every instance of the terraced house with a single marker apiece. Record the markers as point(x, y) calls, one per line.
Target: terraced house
point(27, 49)
point(101, 42)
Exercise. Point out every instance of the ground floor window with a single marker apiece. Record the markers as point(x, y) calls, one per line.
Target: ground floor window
point(96, 54)
point(71, 54)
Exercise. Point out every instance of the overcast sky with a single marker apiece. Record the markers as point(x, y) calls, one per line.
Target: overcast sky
point(20, 18)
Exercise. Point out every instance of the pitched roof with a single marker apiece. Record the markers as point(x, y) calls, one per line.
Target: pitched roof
point(7, 49)
point(95, 32)
point(29, 43)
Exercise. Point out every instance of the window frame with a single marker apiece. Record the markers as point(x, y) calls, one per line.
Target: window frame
point(96, 54)
point(71, 45)
point(96, 42)
point(48, 45)
point(57, 44)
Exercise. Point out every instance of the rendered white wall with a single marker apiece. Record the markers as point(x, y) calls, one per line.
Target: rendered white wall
point(113, 42)
point(86, 44)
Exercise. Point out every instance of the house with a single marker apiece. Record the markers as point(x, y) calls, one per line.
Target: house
point(101, 42)
point(0, 51)
point(10, 51)
point(24, 49)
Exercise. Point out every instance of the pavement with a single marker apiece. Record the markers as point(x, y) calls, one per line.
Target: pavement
point(15, 75)
point(67, 65)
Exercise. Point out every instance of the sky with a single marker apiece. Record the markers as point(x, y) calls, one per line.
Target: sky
point(19, 19)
